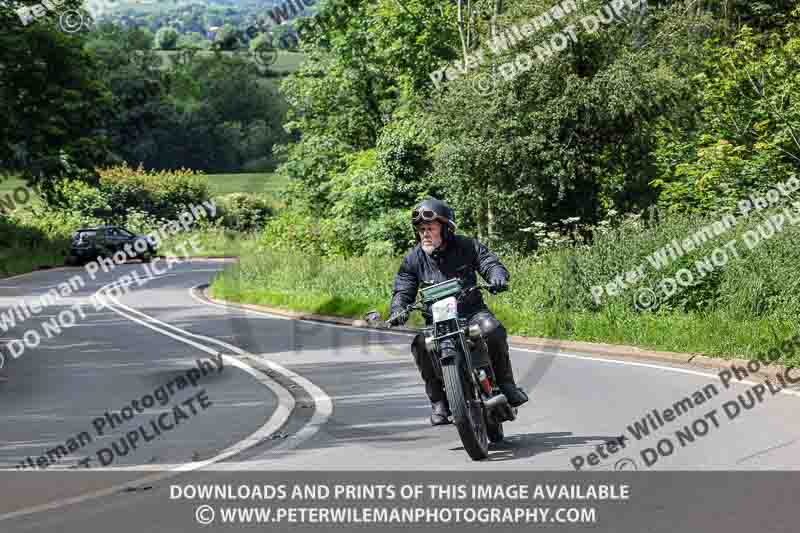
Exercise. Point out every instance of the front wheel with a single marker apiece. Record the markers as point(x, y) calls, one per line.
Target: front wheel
point(467, 410)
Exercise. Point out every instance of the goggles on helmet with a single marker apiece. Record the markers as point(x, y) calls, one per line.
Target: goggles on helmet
point(424, 215)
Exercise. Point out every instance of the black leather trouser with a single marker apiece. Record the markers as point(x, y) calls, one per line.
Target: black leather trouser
point(496, 340)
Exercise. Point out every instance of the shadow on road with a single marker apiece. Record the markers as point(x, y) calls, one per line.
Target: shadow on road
point(526, 445)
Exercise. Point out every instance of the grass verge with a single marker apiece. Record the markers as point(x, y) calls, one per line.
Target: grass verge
point(351, 287)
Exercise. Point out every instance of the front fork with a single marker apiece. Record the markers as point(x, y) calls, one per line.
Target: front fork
point(495, 405)
point(475, 355)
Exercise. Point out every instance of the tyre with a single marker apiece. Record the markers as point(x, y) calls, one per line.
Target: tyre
point(467, 416)
point(71, 260)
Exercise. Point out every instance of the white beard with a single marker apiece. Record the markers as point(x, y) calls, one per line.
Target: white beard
point(428, 249)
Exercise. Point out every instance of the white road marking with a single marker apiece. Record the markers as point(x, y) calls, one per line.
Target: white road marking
point(568, 355)
point(376, 395)
point(15, 445)
point(281, 317)
point(323, 404)
point(276, 421)
point(415, 422)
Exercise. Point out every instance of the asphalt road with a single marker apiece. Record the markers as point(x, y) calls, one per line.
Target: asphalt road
point(289, 395)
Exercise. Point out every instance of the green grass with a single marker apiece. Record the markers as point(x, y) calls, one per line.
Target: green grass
point(8, 185)
point(25, 247)
point(24, 251)
point(287, 61)
point(22, 260)
point(253, 183)
point(213, 242)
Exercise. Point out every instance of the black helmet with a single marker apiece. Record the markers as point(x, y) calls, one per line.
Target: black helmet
point(433, 209)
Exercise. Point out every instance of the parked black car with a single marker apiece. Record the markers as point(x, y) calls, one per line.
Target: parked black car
point(90, 243)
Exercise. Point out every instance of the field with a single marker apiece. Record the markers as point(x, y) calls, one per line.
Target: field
point(219, 184)
point(8, 186)
point(252, 183)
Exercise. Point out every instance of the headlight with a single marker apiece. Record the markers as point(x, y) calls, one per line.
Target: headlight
point(474, 331)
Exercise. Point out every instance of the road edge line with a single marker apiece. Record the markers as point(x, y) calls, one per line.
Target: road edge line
point(585, 350)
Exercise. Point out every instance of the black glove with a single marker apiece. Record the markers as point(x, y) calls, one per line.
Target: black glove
point(499, 285)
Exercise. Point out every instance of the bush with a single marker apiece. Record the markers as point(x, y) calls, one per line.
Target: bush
point(124, 194)
point(243, 211)
point(34, 237)
point(84, 200)
point(163, 194)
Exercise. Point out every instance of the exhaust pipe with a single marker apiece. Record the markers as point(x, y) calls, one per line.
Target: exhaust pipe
point(496, 401)
point(504, 411)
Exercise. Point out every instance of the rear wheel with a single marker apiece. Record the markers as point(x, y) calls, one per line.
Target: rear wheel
point(467, 410)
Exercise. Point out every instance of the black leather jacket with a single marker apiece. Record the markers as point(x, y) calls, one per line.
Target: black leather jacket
point(460, 251)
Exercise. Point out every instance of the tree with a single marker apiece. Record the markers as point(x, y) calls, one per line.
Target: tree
point(51, 102)
point(228, 38)
point(193, 41)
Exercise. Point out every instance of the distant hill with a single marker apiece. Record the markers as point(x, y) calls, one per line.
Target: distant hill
point(199, 20)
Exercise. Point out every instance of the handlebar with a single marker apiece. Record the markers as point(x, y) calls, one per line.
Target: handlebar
point(487, 288)
point(419, 307)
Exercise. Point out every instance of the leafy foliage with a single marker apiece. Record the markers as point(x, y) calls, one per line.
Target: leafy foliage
point(166, 39)
point(52, 103)
point(243, 212)
point(123, 191)
point(750, 134)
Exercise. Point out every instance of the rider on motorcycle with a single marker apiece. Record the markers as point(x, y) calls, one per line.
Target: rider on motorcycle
point(440, 255)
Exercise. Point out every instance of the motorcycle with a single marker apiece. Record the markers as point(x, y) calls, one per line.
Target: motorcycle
point(461, 360)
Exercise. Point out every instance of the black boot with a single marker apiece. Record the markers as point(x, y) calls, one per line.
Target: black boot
point(514, 394)
point(440, 412)
point(497, 343)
